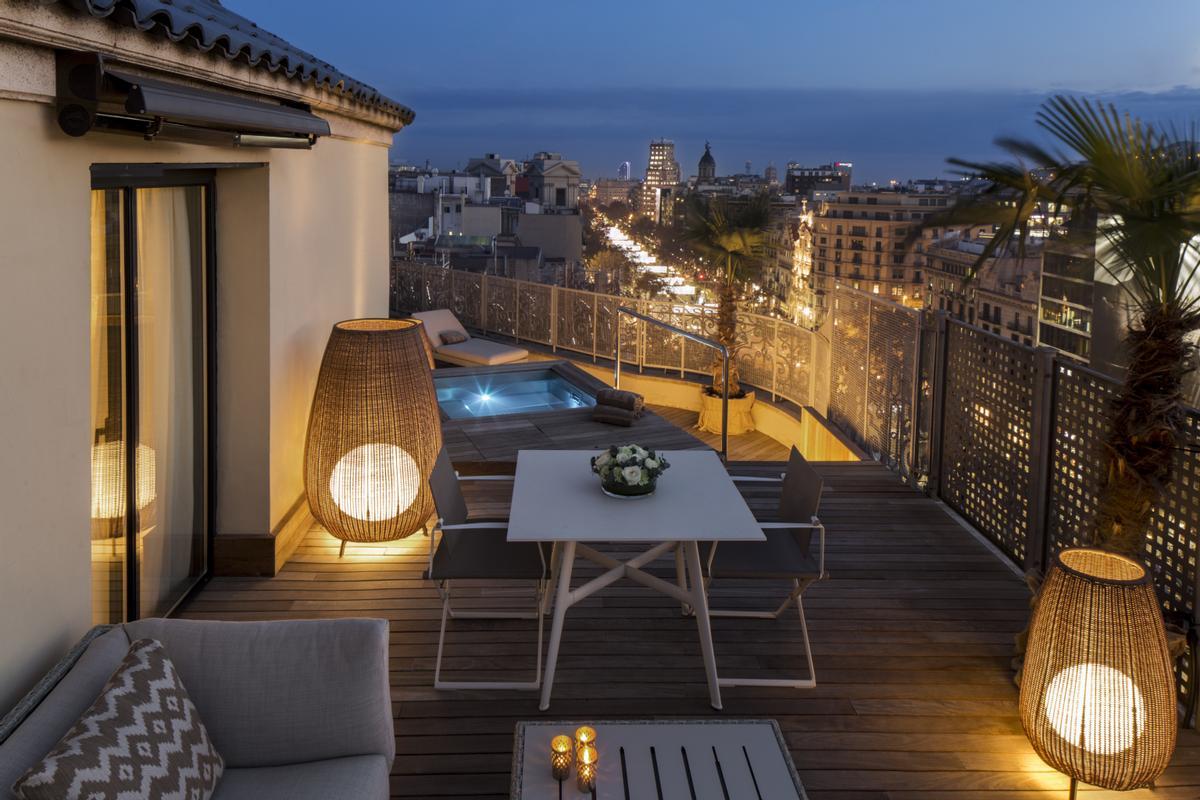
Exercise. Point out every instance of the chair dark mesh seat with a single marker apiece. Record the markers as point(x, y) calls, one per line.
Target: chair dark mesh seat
point(475, 548)
point(485, 553)
point(777, 557)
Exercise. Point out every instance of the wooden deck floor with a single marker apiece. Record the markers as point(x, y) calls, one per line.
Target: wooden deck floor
point(912, 636)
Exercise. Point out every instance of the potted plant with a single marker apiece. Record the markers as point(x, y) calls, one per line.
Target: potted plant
point(730, 237)
point(629, 470)
point(1138, 187)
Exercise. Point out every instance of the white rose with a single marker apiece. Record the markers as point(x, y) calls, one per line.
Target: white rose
point(632, 475)
point(651, 463)
point(603, 459)
point(640, 452)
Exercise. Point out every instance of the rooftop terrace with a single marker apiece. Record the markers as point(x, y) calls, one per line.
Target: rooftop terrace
point(912, 638)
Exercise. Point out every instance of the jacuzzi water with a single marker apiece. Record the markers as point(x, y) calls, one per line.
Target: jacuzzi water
point(488, 395)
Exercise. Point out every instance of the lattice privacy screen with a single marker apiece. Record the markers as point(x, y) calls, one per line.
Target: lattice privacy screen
point(1081, 412)
point(985, 470)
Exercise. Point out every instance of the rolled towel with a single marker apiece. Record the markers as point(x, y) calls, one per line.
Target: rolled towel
point(618, 398)
point(612, 415)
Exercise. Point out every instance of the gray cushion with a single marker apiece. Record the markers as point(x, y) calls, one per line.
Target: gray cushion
point(65, 703)
point(453, 337)
point(481, 351)
point(142, 737)
point(485, 553)
point(781, 556)
point(358, 777)
point(284, 692)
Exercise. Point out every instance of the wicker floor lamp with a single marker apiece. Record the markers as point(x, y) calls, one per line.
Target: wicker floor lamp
point(374, 432)
point(1098, 690)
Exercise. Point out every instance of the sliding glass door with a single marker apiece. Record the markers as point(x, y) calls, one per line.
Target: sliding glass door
point(150, 313)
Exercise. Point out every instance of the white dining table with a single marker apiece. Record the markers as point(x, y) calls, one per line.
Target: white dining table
point(557, 499)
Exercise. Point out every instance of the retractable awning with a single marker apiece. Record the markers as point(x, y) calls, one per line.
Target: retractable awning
point(93, 95)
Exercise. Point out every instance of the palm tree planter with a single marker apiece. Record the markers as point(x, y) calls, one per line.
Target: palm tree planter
point(732, 239)
point(1143, 187)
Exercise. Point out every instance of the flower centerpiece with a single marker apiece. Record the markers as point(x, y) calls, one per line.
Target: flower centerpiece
point(629, 470)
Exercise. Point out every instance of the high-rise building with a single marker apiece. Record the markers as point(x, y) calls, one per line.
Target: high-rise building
point(771, 173)
point(623, 171)
point(1001, 297)
point(860, 241)
point(812, 182)
point(706, 170)
point(661, 187)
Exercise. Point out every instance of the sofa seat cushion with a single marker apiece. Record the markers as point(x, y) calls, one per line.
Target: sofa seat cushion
point(363, 777)
point(62, 705)
point(481, 351)
point(142, 737)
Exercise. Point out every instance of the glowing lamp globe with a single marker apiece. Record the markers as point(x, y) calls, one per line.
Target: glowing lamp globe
point(374, 432)
point(109, 491)
point(1098, 690)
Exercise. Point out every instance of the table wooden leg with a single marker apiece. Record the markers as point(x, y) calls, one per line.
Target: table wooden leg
point(700, 605)
point(561, 602)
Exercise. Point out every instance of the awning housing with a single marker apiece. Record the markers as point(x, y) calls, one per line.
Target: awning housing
point(94, 96)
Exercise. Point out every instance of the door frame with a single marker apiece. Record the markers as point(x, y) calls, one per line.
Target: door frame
point(129, 178)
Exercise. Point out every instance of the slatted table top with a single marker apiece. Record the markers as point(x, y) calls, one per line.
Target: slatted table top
point(734, 759)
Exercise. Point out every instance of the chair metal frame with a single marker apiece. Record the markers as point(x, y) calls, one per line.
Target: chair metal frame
point(541, 596)
point(799, 587)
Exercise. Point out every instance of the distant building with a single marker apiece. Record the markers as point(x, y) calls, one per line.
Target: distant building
point(660, 189)
point(706, 170)
point(553, 181)
point(501, 173)
point(606, 190)
point(813, 182)
point(771, 174)
point(860, 241)
point(1002, 296)
point(623, 171)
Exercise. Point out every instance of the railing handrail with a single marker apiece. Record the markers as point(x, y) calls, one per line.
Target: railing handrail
point(695, 337)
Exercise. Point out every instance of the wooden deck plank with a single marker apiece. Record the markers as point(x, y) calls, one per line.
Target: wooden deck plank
point(911, 636)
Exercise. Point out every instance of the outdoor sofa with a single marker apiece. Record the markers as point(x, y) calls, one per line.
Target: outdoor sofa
point(451, 342)
point(298, 709)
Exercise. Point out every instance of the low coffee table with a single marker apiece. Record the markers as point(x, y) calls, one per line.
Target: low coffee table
point(754, 761)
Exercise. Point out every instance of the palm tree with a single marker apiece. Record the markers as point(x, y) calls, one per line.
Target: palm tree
point(731, 238)
point(1142, 184)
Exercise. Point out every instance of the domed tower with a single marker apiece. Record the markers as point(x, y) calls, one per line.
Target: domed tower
point(706, 172)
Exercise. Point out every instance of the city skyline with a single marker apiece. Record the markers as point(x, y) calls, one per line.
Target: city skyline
point(947, 82)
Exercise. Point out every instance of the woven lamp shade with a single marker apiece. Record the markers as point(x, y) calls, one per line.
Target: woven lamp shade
point(1097, 690)
point(374, 432)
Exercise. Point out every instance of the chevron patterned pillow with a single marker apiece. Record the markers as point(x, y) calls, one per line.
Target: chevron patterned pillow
point(142, 738)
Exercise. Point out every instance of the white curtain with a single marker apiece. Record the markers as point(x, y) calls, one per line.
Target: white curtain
point(169, 255)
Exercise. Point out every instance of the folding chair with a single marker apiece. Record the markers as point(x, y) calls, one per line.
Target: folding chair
point(478, 550)
point(786, 554)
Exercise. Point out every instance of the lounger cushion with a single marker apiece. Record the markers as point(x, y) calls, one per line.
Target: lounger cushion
point(355, 776)
point(438, 322)
point(481, 351)
point(485, 553)
point(780, 556)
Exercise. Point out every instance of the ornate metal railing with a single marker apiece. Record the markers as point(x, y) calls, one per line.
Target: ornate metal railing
point(772, 355)
point(1011, 437)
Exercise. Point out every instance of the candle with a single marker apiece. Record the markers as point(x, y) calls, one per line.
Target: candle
point(587, 756)
point(585, 735)
point(561, 757)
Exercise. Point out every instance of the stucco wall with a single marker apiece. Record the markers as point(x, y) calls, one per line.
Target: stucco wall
point(322, 258)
